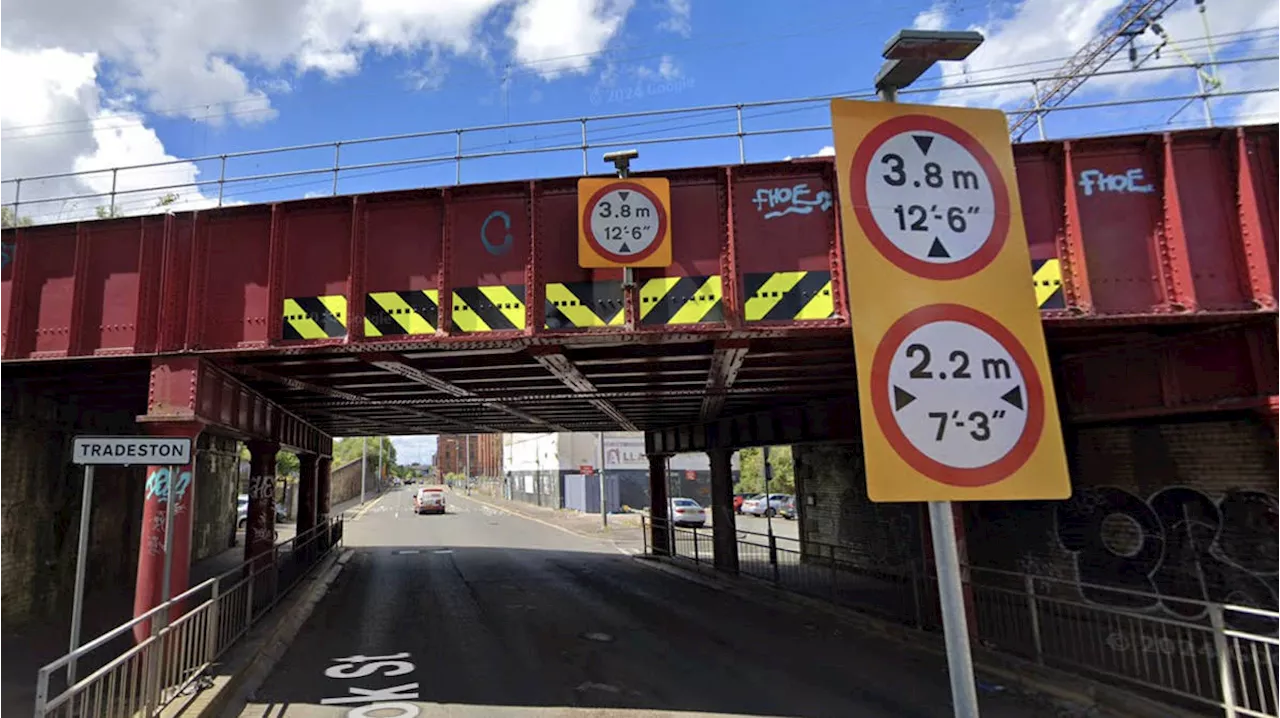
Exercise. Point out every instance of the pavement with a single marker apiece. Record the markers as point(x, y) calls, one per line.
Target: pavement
point(493, 610)
point(25, 649)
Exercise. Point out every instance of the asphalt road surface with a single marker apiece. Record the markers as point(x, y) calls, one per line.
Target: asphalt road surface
point(483, 613)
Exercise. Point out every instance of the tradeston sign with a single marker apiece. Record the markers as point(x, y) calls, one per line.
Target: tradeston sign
point(127, 450)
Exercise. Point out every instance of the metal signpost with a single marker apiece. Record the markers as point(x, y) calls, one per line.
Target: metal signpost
point(953, 376)
point(604, 510)
point(91, 451)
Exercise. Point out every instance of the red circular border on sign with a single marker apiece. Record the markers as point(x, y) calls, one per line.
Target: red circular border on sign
point(858, 196)
point(954, 476)
point(595, 243)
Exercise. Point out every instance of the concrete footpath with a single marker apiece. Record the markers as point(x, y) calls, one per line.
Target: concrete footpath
point(25, 649)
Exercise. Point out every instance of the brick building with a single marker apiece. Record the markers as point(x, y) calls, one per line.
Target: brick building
point(481, 452)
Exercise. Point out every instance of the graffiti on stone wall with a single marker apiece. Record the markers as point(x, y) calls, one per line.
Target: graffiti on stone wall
point(1176, 547)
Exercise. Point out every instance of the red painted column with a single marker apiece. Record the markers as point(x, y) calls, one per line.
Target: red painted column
point(308, 464)
point(259, 534)
point(163, 482)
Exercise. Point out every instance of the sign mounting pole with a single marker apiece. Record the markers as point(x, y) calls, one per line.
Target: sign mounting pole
point(946, 561)
point(82, 558)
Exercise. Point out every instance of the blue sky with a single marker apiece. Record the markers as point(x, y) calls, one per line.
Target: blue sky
point(129, 83)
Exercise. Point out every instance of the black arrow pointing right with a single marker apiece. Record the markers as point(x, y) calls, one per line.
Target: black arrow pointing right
point(901, 398)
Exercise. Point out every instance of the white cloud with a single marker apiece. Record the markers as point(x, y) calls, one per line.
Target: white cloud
point(89, 76)
point(1031, 38)
point(553, 37)
point(826, 151)
point(413, 449)
point(935, 18)
point(678, 19)
point(667, 69)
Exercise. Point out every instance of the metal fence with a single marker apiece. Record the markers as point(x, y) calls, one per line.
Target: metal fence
point(1223, 658)
point(180, 639)
point(422, 159)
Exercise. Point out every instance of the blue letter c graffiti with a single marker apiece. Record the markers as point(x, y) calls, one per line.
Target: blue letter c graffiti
point(507, 239)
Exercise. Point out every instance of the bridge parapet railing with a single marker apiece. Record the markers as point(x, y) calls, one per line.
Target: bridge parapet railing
point(437, 158)
point(143, 665)
point(1208, 656)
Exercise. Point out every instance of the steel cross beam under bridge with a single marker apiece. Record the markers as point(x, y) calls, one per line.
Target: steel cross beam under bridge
point(464, 308)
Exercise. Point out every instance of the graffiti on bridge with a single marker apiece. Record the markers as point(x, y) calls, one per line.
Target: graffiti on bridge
point(1179, 544)
point(158, 485)
point(790, 200)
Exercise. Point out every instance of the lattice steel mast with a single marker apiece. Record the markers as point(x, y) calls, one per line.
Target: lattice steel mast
point(1127, 22)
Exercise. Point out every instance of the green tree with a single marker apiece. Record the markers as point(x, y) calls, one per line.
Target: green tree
point(167, 199)
point(348, 449)
point(105, 212)
point(751, 471)
point(10, 218)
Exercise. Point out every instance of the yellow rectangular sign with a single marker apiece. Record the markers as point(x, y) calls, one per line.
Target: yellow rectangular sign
point(954, 384)
point(624, 222)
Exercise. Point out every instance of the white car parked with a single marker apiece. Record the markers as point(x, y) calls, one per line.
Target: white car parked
point(687, 512)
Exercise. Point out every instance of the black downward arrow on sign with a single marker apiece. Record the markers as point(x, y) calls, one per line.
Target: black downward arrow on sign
point(938, 251)
point(623, 194)
point(901, 398)
point(924, 142)
point(1013, 396)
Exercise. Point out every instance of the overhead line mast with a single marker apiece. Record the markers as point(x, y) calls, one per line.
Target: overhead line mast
point(1129, 21)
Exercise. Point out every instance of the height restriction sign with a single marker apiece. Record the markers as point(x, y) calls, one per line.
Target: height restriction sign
point(624, 222)
point(953, 375)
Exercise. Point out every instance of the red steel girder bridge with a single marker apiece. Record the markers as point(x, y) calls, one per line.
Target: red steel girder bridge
point(463, 309)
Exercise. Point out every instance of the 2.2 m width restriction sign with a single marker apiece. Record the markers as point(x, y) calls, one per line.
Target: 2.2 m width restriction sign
point(624, 223)
point(929, 197)
point(957, 395)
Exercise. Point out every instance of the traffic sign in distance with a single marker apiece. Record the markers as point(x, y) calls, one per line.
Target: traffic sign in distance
point(624, 222)
point(131, 450)
point(953, 373)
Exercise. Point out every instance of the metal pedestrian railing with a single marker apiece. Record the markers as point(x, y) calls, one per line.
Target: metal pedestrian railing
point(424, 159)
point(181, 638)
point(1214, 656)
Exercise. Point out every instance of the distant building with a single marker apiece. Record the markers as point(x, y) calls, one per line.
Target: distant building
point(479, 455)
point(537, 465)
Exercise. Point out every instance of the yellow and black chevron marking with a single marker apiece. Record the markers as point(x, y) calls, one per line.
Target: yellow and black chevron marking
point(488, 309)
point(388, 314)
point(681, 300)
point(315, 317)
point(1047, 274)
point(580, 305)
point(788, 296)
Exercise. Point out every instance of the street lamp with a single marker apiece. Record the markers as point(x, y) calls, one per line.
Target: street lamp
point(908, 55)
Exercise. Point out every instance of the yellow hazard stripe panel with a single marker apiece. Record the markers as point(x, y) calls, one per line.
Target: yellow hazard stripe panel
point(322, 317)
point(492, 308)
point(681, 300)
point(407, 313)
point(583, 305)
point(1047, 275)
point(787, 296)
